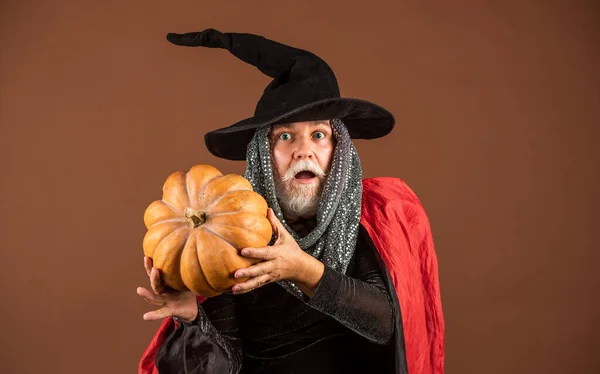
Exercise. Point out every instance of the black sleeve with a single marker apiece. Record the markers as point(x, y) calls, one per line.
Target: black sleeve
point(208, 345)
point(360, 301)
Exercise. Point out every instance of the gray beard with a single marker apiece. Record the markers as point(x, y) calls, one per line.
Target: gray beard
point(299, 200)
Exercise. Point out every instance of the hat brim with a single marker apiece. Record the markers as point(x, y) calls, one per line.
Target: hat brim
point(363, 119)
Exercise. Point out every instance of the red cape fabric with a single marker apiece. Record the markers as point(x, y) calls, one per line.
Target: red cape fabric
point(398, 225)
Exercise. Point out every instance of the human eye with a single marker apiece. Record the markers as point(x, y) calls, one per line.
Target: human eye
point(319, 135)
point(285, 136)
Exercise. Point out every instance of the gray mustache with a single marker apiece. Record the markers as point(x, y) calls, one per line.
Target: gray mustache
point(304, 165)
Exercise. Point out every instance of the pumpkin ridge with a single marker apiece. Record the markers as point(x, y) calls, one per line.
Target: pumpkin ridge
point(206, 279)
point(222, 237)
point(168, 235)
point(196, 182)
point(237, 227)
point(199, 264)
point(171, 207)
point(177, 219)
point(209, 182)
point(194, 263)
point(225, 194)
point(180, 256)
point(221, 214)
point(173, 189)
point(187, 191)
point(169, 253)
point(179, 259)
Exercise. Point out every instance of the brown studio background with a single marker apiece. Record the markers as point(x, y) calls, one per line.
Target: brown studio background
point(498, 109)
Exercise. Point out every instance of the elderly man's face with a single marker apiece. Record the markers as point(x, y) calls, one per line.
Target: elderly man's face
point(302, 154)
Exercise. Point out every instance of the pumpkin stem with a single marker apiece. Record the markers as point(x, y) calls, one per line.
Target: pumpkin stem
point(196, 217)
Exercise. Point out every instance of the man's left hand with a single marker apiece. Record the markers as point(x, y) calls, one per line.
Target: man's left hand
point(283, 260)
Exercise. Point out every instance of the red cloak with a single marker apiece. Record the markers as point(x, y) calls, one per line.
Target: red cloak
point(398, 225)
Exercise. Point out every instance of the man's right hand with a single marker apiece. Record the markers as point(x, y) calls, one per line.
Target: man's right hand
point(173, 303)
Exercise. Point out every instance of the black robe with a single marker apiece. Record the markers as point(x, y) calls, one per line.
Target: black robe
point(271, 331)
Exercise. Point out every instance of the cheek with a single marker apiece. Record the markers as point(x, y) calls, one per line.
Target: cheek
point(280, 160)
point(325, 155)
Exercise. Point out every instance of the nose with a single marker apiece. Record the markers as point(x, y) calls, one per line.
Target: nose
point(303, 149)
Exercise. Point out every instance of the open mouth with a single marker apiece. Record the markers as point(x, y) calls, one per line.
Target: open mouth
point(305, 175)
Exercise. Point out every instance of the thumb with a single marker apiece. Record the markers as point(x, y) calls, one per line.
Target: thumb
point(280, 231)
point(161, 313)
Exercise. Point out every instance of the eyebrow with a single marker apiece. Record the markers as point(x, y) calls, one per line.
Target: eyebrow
point(289, 126)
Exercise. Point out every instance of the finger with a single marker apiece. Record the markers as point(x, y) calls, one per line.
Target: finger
point(276, 224)
point(255, 270)
point(147, 264)
point(158, 314)
point(251, 284)
point(150, 297)
point(264, 253)
point(156, 282)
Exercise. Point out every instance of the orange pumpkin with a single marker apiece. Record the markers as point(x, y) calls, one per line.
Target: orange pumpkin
point(195, 233)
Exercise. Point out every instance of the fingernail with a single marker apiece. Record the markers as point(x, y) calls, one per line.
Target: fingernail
point(239, 275)
point(245, 252)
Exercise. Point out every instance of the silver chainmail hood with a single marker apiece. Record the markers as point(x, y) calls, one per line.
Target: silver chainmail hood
point(333, 239)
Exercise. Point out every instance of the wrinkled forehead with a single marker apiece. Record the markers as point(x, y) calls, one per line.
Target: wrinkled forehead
point(300, 125)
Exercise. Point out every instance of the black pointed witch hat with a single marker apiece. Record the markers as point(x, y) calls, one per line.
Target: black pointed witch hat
point(304, 88)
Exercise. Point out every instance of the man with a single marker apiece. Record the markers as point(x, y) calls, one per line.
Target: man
point(350, 282)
